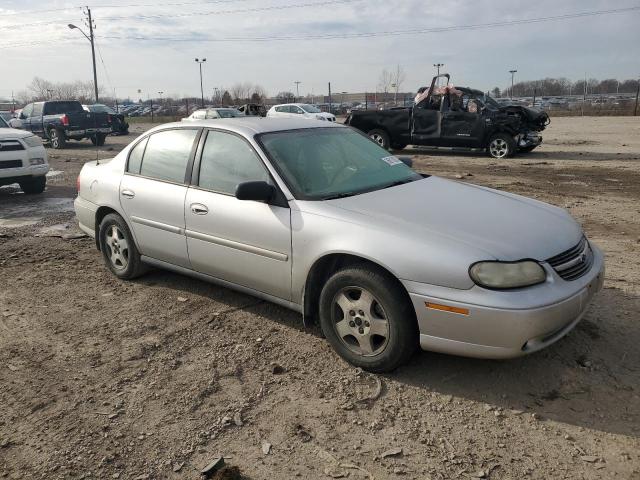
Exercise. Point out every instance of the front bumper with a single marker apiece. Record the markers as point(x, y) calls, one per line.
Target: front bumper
point(25, 169)
point(529, 139)
point(504, 324)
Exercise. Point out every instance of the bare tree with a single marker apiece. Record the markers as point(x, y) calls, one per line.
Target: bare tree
point(397, 79)
point(285, 97)
point(384, 82)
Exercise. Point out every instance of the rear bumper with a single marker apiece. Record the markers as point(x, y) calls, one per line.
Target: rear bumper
point(499, 328)
point(86, 214)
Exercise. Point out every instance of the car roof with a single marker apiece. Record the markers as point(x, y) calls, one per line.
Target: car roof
point(286, 104)
point(249, 126)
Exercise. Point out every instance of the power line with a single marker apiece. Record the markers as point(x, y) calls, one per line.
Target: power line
point(417, 31)
point(193, 14)
point(414, 31)
point(197, 2)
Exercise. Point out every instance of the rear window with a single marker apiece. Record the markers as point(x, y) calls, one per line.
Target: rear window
point(58, 108)
point(167, 155)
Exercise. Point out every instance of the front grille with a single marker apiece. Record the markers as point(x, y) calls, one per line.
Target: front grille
point(573, 263)
point(11, 164)
point(10, 146)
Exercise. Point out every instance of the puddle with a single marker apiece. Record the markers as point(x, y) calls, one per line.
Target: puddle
point(17, 222)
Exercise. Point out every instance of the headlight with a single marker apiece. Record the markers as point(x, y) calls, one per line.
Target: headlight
point(507, 274)
point(32, 141)
point(320, 117)
point(36, 161)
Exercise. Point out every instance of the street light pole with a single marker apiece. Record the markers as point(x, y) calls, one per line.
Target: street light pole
point(512, 72)
point(297, 90)
point(200, 62)
point(93, 51)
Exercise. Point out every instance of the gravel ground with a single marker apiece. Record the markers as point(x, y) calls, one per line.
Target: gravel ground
point(155, 378)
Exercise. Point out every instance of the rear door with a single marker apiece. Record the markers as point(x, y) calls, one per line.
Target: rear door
point(244, 242)
point(153, 190)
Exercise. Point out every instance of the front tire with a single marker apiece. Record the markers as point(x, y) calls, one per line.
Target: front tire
point(33, 185)
point(501, 145)
point(368, 319)
point(118, 248)
point(57, 138)
point(380, 137)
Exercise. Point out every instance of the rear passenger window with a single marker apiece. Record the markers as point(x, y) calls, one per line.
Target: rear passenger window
point(228, 160)
point(135, 157)
point(167, 155)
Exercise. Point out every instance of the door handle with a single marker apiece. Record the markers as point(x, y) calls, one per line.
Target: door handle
point(199, 209)
point(127, 193)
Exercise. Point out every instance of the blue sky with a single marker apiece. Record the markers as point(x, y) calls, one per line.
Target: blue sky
point(603, 46)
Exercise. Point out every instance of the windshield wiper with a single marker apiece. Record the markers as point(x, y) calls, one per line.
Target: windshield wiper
point(340, 195)
point(399, 182)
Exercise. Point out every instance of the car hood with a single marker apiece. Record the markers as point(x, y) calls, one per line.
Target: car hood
point(12, 133)
point(503, 225)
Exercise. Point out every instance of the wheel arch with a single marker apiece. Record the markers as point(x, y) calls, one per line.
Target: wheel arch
point(102, 212)
point(326, 266)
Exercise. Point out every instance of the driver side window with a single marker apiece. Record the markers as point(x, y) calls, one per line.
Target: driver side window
point(26, 111)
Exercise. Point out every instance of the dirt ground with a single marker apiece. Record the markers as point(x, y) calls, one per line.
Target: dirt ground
point(155, 378)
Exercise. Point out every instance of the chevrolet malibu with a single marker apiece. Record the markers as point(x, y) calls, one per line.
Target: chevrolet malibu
point(316, 217)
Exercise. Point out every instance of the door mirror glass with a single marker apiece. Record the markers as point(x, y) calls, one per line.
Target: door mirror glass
point(259, 191)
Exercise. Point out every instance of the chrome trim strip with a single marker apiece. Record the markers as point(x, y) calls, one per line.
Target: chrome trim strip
point(158, 225)
point(238, 246)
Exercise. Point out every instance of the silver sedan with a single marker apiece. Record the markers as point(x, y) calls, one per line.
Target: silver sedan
point(320, 219)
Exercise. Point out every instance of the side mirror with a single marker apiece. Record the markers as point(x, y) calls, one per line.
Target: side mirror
point(259, 191)
point(407, 161)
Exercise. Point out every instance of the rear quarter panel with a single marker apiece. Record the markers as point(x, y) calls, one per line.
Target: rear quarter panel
point(394, 122)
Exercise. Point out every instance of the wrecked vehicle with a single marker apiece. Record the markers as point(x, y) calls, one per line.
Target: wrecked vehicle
point(253, 110)
point(455, 117)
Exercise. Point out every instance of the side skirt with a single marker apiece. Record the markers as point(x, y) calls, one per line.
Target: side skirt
point(223, 283)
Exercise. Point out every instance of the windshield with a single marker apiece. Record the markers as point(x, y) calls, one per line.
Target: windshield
point(489, 100)
point(229, 113)
point(101, 109)
point(324, 163)
point(310, 109)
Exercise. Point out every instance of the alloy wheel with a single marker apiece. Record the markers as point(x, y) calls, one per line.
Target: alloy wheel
point(117, 248)
point(376, 137)
point(498, 148)
point(360, 321)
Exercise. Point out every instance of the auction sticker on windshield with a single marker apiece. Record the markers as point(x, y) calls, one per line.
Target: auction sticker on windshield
point(392, 160)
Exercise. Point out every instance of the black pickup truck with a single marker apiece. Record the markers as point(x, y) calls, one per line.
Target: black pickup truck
point(62, 120)
point(456, 118)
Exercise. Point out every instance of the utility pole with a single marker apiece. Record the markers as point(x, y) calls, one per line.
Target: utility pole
point(93, 50)
point(330, 106)
point(512, 72)
point(200, 62)
point(297, 90)
point(635, 110)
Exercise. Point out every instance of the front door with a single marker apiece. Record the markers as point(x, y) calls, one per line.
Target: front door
point(153, 191)
point(425, 122)
point(462, 123)
point(244, 242)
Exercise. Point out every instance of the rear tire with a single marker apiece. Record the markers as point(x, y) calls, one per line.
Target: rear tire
point(380, 137)
point(368, 318)
point(501, 145)
point(98, 139)
point(119, 249)
point(33, 185)
point(57, 138)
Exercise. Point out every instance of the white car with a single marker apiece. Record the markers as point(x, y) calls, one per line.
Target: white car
point(300, 110)
point(23, 159)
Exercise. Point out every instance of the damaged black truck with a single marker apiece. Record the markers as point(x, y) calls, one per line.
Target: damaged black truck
point(455, 117)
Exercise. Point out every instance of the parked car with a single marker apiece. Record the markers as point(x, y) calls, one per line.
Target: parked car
point(23, 159)
point(62, 120)
point(253, 110)
point(118, 123)
point(211, 113)
point(470, 120)
point(316, 217)
point(300, 110)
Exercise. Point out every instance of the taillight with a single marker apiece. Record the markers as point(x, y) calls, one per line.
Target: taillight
point(65, 120)
point(78, 184)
